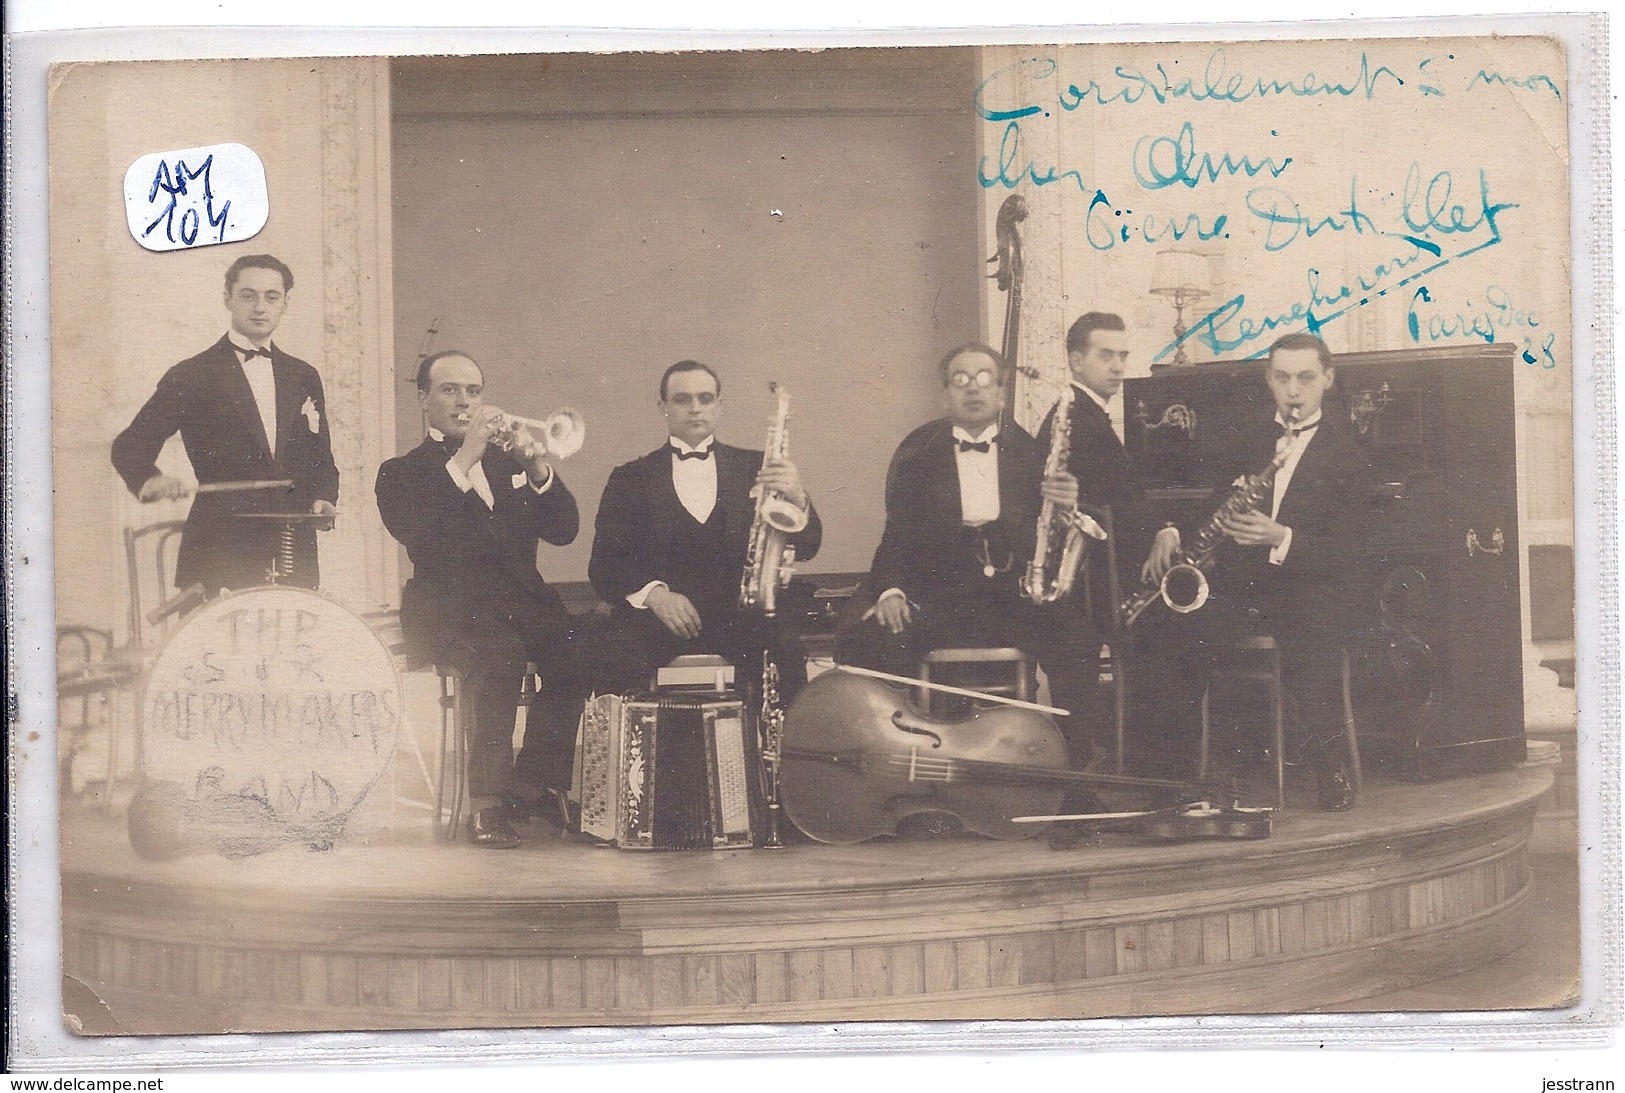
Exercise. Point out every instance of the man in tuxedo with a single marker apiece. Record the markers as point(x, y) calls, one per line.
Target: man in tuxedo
point(672, 534)
point(1097, 357)
point(247, 412)
point(471, 516)
point(962, 501)
point(1280, 570)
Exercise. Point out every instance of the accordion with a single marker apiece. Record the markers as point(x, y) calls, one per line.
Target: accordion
point(669, 771)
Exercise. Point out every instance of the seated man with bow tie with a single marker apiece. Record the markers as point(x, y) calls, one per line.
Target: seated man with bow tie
point(1280, 570)
point(672, 534)
point(471, 516)
point(963, 496)
point(248, 414)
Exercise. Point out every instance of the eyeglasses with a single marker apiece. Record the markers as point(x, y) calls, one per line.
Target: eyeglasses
point(985, 378)
point(704, 398)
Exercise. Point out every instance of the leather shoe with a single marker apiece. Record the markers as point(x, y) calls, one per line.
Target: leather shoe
point(491, 829)
point(1334, 788)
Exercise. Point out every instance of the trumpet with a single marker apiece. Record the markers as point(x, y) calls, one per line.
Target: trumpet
point(559, 435)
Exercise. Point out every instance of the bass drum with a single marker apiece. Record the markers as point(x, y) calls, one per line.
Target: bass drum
point(266, 719)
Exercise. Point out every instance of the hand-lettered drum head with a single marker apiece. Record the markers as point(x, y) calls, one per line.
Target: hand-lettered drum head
point(269, 714)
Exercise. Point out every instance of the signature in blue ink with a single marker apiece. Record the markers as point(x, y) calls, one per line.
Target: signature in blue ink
point(1009, 153)
point(1163, 161)
point(1287, 220)
point(1130, 85)
point(1428, 210)
point(1103, 233)
point(180, 182)
point(1499, 315)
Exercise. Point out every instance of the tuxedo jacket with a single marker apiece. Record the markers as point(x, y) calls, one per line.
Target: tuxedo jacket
point(640, 510)
point(1106, 479)
point(1327, 506)
point(207, 400)
point(472, 567)
point(926, 549)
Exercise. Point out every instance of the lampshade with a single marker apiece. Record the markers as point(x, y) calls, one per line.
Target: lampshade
point(1180, 273)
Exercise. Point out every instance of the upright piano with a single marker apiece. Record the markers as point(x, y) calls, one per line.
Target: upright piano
point(1436, 638)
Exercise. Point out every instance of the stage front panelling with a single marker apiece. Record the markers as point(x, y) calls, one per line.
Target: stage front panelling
point(1420, 882)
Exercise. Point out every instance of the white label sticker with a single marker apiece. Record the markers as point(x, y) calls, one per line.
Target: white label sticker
point(196, 197)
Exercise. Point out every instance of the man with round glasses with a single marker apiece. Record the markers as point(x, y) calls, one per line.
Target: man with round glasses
point(963, 495)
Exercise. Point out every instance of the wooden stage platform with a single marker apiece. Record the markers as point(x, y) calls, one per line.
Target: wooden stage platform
point(392, 929)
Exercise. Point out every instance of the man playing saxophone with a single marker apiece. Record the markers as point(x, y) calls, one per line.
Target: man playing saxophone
point(673, 531)
point(1279, 569)
point(962, 500)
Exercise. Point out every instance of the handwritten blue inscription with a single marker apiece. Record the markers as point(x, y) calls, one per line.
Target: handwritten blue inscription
point(181, 182)
point(1535, 82)
point(1160, 162)
point(1496, 317)
point(1287, 220)
point(1433, 221)
point(1009, 175)
point(1130, 85)
point(1104, 233)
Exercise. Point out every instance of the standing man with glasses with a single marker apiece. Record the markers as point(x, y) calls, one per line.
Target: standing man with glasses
point(672, 534)
point(249, 415)
point(963, 496)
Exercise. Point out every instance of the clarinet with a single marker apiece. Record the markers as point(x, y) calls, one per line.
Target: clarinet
point(771, 729)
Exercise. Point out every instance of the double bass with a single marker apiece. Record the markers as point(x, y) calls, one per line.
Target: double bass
point(859, 760)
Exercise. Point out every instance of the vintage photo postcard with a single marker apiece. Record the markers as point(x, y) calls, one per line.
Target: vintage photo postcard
point(763, 537)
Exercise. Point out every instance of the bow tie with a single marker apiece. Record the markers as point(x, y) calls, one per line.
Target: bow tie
point(680, 454)
point(1290, 432)
point(250, 354)
point(976, 445)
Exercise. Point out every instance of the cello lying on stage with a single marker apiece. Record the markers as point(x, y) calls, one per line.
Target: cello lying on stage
point(860, 760)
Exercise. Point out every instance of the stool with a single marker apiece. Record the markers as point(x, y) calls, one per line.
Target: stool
point(1269, 672)
point(454, 734)
point(1017, 667)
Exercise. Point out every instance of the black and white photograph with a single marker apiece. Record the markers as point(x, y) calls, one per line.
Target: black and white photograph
point(1015, 532)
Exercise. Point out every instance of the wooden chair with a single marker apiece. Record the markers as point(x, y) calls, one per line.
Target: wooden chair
point(149, 557)
point(1258, 659)
point(1007, 672)
point(88, 668)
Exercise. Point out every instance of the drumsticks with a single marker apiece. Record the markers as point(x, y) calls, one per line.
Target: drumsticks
point(234, 487)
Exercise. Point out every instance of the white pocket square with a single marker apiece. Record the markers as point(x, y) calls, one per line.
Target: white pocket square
point(313, 417)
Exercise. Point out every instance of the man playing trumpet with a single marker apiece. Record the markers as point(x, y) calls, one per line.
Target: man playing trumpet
point(470, 515)
point(672, 536)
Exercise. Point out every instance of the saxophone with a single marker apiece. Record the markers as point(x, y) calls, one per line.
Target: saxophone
point(1184, 587)
point(1058, 549)
point(769, 558)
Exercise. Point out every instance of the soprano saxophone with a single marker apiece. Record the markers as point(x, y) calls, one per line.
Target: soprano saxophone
point(1184, 587)
point(771, 556)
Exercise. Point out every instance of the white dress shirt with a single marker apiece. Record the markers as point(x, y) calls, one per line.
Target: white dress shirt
point(475, 479)
point(262, 381)
point(696, 483)
point(1283, 477)
point(695, 479)
point(978, 477)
